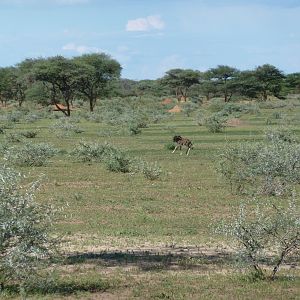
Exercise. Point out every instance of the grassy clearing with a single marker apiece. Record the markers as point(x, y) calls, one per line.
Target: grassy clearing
point(106, 213)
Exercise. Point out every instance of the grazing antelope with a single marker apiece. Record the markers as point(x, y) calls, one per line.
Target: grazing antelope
point(181, 141)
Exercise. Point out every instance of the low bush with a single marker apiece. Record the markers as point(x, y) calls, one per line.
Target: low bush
point(265, 233)
point(282, 133)
point(215, 123)
point(116, 160)
point(134, 128)
point(15, 116)
point(151, 171)
point(216, 104)
point(30, 154)
point(272, 104)
point(188, 108)
point(30, 134)
point(90, 152)
point(170, 146)
point(25, 241)
point(31, 118)
point(200, 117)
point(64, 127)
point(13, 137)
point(262, 168)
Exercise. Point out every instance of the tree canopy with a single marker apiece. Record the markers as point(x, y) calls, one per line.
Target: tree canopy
point(180, 81)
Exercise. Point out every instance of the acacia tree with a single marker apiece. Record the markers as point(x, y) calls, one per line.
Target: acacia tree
point(269, 80)
point(292, 82)
point(246, 84)
point(23, 79)
point(60, 76)
point(223, 77)
point(208, 88)
point(181, 80)
point(98, 71)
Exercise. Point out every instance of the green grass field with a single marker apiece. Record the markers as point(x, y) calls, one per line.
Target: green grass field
point(128, 237)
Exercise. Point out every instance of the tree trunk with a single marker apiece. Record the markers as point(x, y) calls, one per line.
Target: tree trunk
point(265, 96)
point(92, 102)
point(68, 108)
point(184, 94)
point(226, 94)
point(177, 94)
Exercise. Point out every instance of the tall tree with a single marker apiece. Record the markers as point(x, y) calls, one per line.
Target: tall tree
point(23, 79)
point(98, 71)
point(223, 76)
point(181, 80)
point(292, 82)
point(126, 87)
point(269, 79)
point(60, 76)
point(246, 84)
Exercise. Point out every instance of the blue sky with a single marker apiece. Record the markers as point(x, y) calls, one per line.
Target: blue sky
point(149, 37)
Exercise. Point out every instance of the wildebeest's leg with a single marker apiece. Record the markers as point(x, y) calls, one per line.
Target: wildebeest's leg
point(175, 149)
point(188, 151)
point(180, 147)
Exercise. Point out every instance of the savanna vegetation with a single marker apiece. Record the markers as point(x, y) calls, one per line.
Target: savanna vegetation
point(94, 205)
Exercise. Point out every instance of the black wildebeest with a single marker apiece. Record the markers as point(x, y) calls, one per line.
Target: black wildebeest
point(181, 141)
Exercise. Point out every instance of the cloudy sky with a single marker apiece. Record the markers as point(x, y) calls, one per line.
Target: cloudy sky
point(149, 37)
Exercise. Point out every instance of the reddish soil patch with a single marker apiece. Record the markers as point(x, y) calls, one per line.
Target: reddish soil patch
point(234, 122)
point(167, 101)
point(175, 109)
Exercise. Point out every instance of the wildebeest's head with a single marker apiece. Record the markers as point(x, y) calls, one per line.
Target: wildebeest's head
point(176, 138)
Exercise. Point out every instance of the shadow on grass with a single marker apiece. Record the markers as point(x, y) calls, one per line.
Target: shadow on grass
point(154, 260)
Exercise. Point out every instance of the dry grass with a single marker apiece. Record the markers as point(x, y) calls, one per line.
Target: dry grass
point(150, 240)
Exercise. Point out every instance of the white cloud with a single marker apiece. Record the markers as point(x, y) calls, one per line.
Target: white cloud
point(81, 48)
point(145, 24)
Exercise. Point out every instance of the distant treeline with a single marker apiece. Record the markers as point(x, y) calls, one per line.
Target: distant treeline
point(91, 77)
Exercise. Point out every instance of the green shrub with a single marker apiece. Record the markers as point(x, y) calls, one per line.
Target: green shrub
point(282, 133)
point(188, 108)
point(151, 171)
point(30, 154)
point(64, 127)
point(31, 118)
point(114, 159)
point(13, 137)
point(265, 234)
point(30, 134)
point(25, 242)
point(15, 116)
point(272, 104)
point(134, 128)
point(170, 146)
point(117, 161)
point(3, 147)
point(215, 123)
point(277, 115)
point(216, 104)
point(200, 117)
point(89, 152)
point(271, 168)
point(94, 117)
